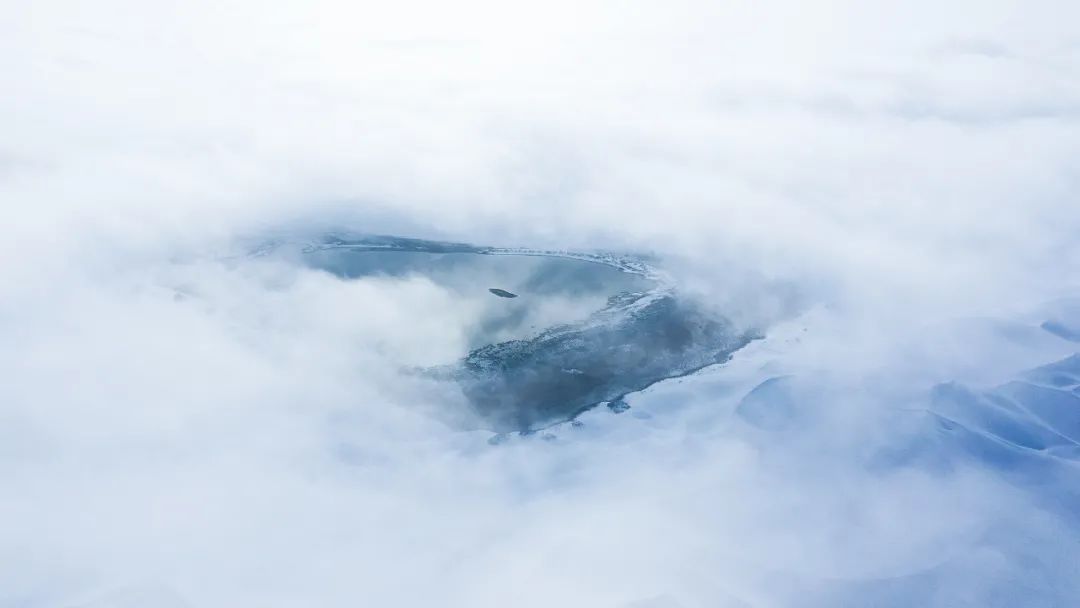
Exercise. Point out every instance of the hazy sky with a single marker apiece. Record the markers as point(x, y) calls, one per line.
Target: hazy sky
point(888, 190)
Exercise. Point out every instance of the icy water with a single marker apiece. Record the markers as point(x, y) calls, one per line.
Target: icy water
point(582, 330)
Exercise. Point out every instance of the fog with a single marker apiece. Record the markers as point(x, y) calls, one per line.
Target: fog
point(886, 192)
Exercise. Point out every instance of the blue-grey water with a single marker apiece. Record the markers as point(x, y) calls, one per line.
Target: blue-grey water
point(584, 328)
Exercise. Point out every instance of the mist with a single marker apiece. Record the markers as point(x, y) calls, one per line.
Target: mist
point(884, 195)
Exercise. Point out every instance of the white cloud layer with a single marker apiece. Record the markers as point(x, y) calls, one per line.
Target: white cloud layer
point(887, 189)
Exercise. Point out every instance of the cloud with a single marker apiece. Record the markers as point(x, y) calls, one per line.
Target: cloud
point(887, 191)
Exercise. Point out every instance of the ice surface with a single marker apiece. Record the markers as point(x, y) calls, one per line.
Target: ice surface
point(621, 327)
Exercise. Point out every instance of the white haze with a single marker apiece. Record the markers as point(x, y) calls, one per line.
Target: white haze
point(881, 187)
